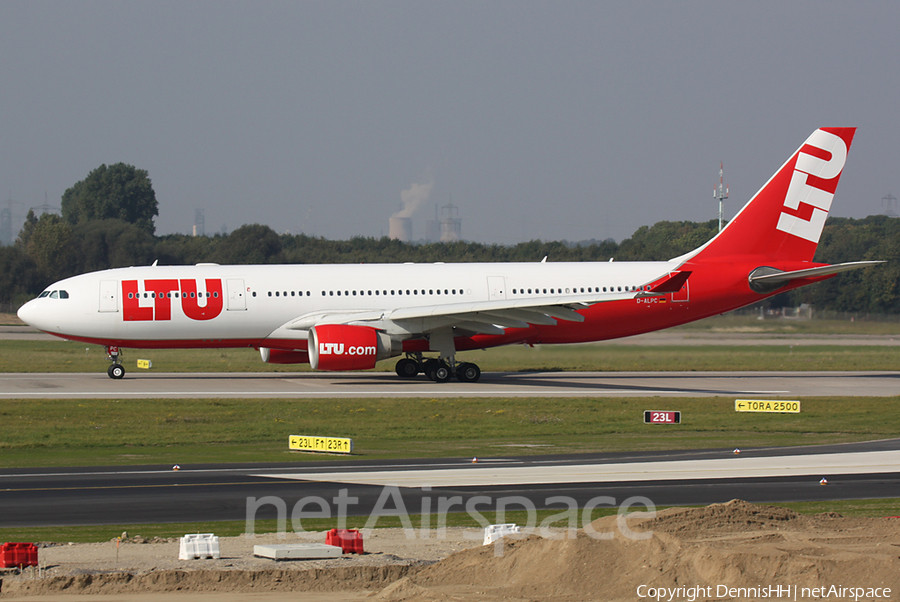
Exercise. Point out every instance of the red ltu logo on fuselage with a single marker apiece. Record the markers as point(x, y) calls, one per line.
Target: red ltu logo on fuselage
point(162, 292)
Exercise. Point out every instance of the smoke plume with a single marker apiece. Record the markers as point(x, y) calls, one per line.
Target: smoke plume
point(413, 197)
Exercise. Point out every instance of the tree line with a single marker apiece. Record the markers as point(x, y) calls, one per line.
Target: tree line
point(107, 222)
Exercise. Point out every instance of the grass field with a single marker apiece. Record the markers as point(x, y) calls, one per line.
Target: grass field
point(732, 322)
point(186, 431)
point(94, 533)
point(67, 356)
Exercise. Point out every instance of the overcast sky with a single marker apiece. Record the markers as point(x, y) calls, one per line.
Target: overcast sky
point(551, 120)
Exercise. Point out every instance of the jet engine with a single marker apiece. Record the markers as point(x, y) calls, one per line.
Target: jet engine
point(283, 356)
point(343, 347)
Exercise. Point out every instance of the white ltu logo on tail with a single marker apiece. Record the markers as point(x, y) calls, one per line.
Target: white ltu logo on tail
point(801, 192)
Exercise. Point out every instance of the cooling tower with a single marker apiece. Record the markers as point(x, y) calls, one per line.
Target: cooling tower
point(401, 229)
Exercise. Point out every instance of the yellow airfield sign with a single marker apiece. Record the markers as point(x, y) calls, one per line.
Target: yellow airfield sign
point(144, 364)
point(767, 405)
point(331, 445)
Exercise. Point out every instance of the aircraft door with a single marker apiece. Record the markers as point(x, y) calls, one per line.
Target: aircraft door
point(237, 300)
point(109, 296)
point(496, 287)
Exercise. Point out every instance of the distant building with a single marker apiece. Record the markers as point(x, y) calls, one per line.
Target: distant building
point(889, 202)
point(6, 229)
point(401, 229)
point(451, 224)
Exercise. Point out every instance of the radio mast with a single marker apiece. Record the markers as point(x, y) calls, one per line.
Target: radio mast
point(721, 192)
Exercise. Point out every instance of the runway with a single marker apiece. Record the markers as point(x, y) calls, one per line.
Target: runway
point(492, 384)
point(128, 495)
point(133, 495)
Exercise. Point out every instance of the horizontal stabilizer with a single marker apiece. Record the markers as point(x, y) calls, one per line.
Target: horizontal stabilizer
point(765, 279)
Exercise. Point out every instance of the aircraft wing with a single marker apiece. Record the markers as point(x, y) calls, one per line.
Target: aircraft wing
point(485, 317)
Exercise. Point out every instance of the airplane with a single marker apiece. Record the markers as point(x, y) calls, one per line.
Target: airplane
point(348, 317)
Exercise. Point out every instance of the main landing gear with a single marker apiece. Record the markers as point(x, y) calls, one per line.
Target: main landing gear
point(115, 370)
point(438, 370)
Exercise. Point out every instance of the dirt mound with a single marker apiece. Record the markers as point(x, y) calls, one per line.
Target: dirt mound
point(736, 515)
point(320, 580)
point(733, 545)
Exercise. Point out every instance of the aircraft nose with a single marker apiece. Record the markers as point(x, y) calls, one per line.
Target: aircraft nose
point(28, 313)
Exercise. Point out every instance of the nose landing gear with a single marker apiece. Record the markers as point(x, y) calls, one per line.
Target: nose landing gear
point(115, 370)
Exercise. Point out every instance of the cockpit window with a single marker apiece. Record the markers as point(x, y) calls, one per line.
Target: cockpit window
point(54, 294)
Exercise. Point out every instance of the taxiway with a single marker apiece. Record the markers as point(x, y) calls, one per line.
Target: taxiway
point(128, 495)
point(493, 384)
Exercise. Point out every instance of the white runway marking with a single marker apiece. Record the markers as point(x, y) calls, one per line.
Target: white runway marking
point(815, 466)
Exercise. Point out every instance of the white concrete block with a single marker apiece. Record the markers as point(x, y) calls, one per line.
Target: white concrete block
point(494, 532)
point(198, 545)
point(297, 551)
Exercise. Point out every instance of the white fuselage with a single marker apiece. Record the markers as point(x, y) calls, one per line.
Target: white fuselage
point(258, 301)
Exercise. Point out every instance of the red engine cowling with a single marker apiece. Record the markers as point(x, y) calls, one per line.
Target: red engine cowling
point(283, 356)
point(342, 347)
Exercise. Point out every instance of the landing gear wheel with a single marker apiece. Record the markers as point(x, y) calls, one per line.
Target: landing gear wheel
point(429, 367)
point(116, 371)
point(468, 373)
point(407, 368)
point(441, 373)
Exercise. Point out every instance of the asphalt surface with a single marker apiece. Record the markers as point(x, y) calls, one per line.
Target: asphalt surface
point(129, 495)
point(492, 384)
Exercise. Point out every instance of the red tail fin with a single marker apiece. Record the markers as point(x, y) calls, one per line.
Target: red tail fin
point(784, 220)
